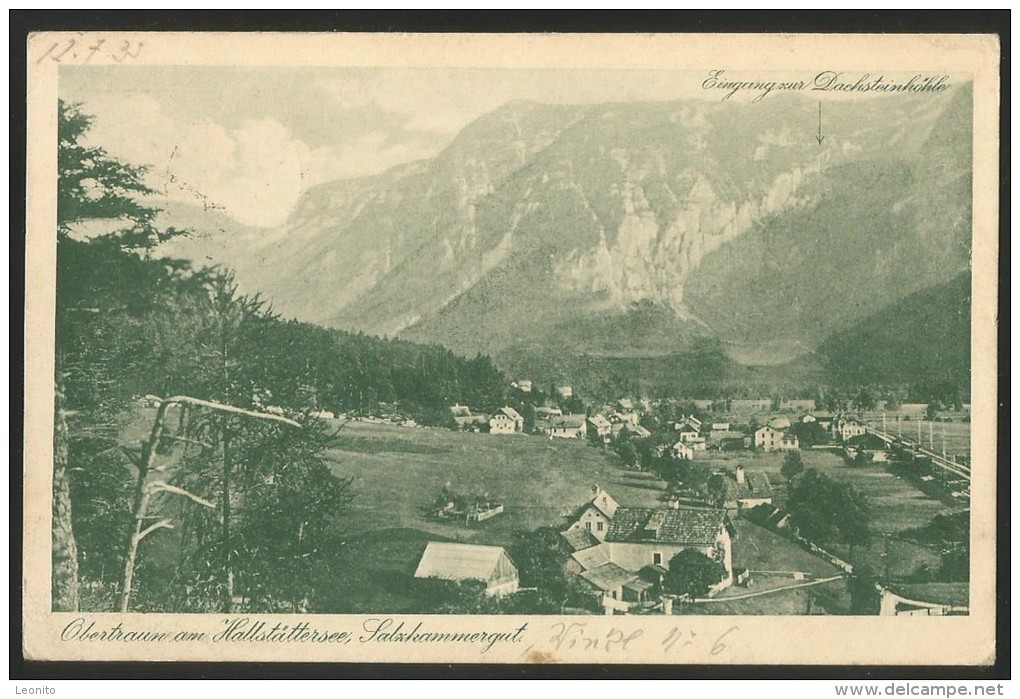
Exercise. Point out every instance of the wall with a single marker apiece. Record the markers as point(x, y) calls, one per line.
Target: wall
point(593, 517)
point(634, 557)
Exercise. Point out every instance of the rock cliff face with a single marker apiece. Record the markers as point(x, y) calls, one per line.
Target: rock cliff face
point(551, 226)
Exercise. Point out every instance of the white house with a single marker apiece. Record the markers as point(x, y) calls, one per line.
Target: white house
point(848, 429)
point(595, 516)
point(451, 561)
point(640, 537)
point(680, 450)
point(506, 420)
point(768, 438)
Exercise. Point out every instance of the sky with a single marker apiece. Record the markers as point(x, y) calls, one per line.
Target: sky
point(251, 140)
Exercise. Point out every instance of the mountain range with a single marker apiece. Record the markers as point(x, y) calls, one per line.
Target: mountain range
point(629, 231)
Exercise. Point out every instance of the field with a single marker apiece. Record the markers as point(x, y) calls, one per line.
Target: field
point(896, 506)
point(398, 472)
point(826, 598)
point(896, 503)
point(759, 549)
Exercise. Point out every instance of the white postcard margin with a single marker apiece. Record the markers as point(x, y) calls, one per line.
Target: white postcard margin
point(535, 639)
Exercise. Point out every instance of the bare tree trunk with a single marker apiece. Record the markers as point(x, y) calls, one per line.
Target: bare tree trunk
point(64, 590)
point(228, 588)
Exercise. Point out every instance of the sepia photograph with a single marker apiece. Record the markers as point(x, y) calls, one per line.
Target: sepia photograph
point(390, 349)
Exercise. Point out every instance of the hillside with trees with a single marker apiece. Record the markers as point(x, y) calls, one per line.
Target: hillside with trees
point(242, 491)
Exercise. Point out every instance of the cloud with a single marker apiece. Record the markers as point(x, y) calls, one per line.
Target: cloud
point(254, 172)
point(249, 140)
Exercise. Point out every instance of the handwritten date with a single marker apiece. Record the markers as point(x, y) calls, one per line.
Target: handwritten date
point(82, 50)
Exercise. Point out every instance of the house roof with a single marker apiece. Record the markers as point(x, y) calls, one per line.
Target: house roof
point(604, 503)
point(599, 421)
point(593, 557)
point(728, 434)
point(452, 561)
point(720, 426)
point(508, 412)
point(568, 421)
point(956, 594)
point(578, 539)
point(653, 570)
point(638, 430)
point(639, 585)
point(756, 485)
point(607, 576)
point(687, 525)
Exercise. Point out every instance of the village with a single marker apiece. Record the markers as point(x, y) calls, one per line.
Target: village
point(722, 530)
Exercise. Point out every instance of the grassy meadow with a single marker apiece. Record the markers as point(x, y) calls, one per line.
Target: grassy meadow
point(398, 472)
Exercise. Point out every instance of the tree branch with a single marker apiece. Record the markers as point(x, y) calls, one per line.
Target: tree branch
point(161, 524)
point(222, 407)
point(158, 486)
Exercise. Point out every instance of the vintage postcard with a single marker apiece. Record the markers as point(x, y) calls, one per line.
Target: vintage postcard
point(511, 348)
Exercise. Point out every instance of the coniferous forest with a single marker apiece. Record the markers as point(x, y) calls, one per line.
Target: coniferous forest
point(221, 498)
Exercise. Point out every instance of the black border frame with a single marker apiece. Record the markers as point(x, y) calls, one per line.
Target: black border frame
point(23, 22)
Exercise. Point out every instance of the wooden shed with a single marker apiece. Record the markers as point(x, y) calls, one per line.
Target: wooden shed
point(452, 561)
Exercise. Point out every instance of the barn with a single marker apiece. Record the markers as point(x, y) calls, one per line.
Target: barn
point(451, 561)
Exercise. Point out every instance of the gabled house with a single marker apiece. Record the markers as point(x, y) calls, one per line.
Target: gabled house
point(565, 391)
point(622, 418)
point(746, 489)
point(568, 427)
point(768, 438)
point(596, 514)
point(639, 536)
point(822, 417)
point(848, 428)
point(730, 440)
point(488, 564)
point(688, 424)
point(601, 426)
point(506, 420)
point(680, 450)
point(780, 423)
point(579, 539)
point(689, 430)
point(638, 430)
